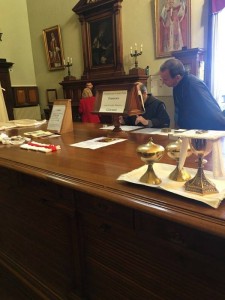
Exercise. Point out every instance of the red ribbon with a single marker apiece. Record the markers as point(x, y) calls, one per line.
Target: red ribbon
point(52, 147)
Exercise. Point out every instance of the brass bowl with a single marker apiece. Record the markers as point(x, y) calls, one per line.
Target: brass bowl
point(173, 151)
point(150, 153)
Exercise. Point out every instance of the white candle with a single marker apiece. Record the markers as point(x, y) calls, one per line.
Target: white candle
point(141, 47)
point(68, 59)
point(71, 60)
point(130, 50)
point(135, 46)
point(64, 62)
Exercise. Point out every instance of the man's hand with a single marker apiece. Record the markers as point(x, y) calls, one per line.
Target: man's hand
point(141, 120)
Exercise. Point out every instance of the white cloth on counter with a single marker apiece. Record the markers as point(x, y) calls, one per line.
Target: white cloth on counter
point(217, 156)
point(3, 111)
point(175, 187)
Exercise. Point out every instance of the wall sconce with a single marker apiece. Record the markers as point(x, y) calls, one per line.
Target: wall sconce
point(1, 36)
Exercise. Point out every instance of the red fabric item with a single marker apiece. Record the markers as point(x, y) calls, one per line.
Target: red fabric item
point(86, 106)
point(217, 5)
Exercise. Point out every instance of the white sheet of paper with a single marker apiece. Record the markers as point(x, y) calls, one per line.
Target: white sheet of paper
point(152, 131)
point(98, 142)
point(123, 127)
point(56, 118)
point(113, 101)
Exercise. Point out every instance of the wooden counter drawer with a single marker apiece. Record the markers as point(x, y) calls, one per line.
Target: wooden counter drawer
point(112, 211)
point(151, 228)
point(45, 192)
point(101, 279)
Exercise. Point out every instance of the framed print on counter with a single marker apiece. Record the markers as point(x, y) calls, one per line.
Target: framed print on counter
point(53, 48)
point(173, 28)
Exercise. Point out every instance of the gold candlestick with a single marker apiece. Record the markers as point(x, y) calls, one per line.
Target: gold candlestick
point(135, 54)
point(68, 65)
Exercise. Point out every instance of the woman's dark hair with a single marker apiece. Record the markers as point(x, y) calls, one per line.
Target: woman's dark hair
point(174, 66)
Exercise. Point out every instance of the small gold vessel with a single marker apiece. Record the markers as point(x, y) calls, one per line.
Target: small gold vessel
point(150, 153)
point(200, 184)
point(173, 151)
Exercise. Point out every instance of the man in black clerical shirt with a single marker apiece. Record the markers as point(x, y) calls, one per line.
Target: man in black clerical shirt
point(155, 114)
point(195, 107)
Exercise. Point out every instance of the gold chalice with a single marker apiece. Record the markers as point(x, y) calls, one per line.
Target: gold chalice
point(173, 151)
point(200, 184)
point(150, 153)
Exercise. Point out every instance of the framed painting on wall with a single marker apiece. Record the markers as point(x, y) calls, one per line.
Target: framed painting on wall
point(101, 28)
point(173, 27)
point(102, 42)
point(53, 48)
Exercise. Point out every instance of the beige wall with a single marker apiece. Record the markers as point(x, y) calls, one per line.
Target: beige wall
point(137, 25)
point(16, 42)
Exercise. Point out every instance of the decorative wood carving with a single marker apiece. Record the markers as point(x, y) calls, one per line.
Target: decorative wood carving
point(102, 37)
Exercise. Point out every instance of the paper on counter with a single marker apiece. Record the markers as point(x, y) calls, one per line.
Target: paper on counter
point(98, 143)
point(163, 171)
point(123, 127)
point(202, 134)
point(153, 131)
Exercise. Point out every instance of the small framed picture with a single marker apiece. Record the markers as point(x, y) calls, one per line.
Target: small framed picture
point(173, 29)
point(53, 48)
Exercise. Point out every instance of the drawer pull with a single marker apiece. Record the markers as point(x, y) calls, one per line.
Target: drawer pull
point(177, 238)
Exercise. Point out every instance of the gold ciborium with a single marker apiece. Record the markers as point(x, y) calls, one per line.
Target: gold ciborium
point(150, 153)
point(173, 151)
point(200, 184)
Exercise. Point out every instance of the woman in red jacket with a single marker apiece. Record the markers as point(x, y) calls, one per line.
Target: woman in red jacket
point(86, 107)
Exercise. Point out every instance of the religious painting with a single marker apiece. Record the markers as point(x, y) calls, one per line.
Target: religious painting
point(173, 30)
point(101, 28)
point(53, 48)
point(101, 34)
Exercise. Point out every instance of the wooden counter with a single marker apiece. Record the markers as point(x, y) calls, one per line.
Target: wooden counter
point(70, 230)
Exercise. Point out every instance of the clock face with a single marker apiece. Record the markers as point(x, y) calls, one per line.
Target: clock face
point(187, 68)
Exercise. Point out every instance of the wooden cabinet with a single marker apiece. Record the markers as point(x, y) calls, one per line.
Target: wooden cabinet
point(6, 84)
point(37, 235)
point(193, 60)
point(25, 96)
point(133, 255)
point(69, 230)
point(73, 89)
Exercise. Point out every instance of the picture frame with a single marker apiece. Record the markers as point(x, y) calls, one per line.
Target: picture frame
point(53, 48)
point(101, 29)
point(173, 26)
point(102, 42)
point(51, 95)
